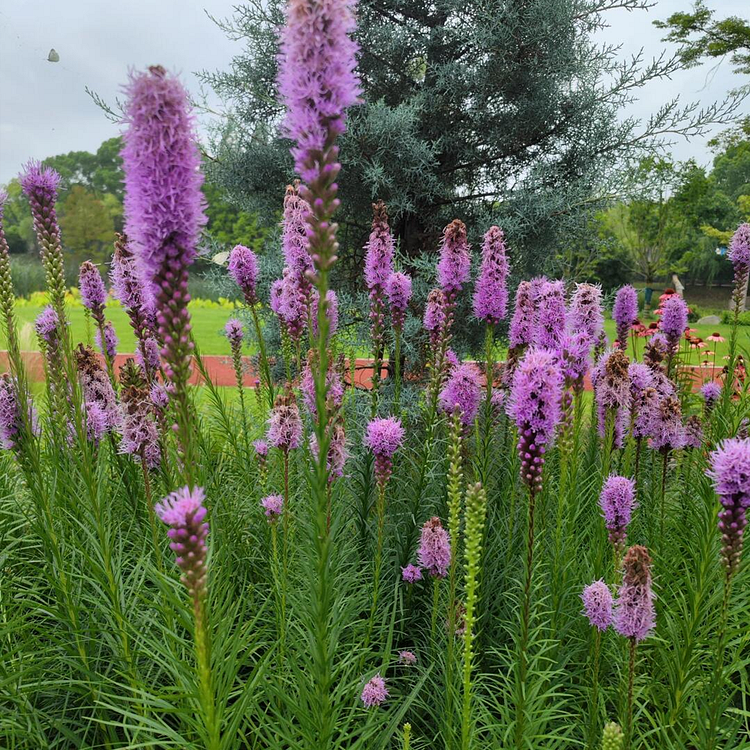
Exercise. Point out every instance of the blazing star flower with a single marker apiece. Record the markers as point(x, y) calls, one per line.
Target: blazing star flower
point(411, 573)
point(463, 390)
point(711, 392)
point(243, 268)
point(434, 315)
point(407, 657)
point(273, 505)
point(635, 616)
point(597, 604)
point(490, 291)
point(644, 399)
point(455, 260)
point(97, 388)
point(656, 350)
point(334, 384)
point(374, 692)
point(184, 511)
point(285, 423)
point(693, 432)
point(317, 81)
point(261, 448)
point(11, 416)
point(535, 407)
point(91, 285)
point(234, 333)
point(625, 313)
point(294, 235)
point(108, 347)
point(674, 321)
point(337, 452)
point(612, 392)
point(667, 432)
point(730, 472)
point(140, 433)
point(47, 326)
point(332, 311)
point(617, 501)
point(148, 355)
point(292, 304)
point(384, 437)
point(379, 250)
point(585, 311)
point(398, 290)
point(550, 315)
point(522, 323)
point(739, 250)
point(434, 553)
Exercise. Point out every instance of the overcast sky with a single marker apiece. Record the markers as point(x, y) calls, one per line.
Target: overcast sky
point(44, 109)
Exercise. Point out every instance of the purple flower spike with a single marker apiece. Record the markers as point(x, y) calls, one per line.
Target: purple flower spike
point(455, 260)
point(97, 388)
point(617, 501)
point(261, 448)
point(316, 77)
point(597, 604)
point(384, 437)
point(411, 573)
point(739, 249)
point(398, 290)
point(522, 322)
point(674, 320)
point(140, 433)
point(273, 506)
point(108, 347)
point(434, 553)
point(379, 250)
point(234, 333)
point(11, 416)
point(730, 472)
point(408, 658)
point(91, 285)
point(711, 392)
point(285, 423)
point(667, 431)
point(332, 311)
point(243, 268)
point(463, 390)
point(585, 312)
point(550, 315)
point(184, 511)
point(47, 326)
point(612, 392)
point(374, 692)
point(434, 315)
point(535, 407)
point(491, 292)
point(635, 616)
point(294, 235)
point(625, 312)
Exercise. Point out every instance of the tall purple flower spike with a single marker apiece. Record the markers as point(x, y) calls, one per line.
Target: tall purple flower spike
point(243, 268)
point(285, 423)
point(635, 616)
point(384, 437)
point(379, 250)
point(463, 390)
point(535, 399)
point(617, 501)
point(455, 259)
point(739, 249)
point(585, 311)
point(597, 604)
point(434, 553)
point(398, 289)
point(674, 320)
point(294, 236)
point(522, 322)
point(491, 291)
point(730, 472)
point(550, 315)
point(625, 312)
point(612, 392)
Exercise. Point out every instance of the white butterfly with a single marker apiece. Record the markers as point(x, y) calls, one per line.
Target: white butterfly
point(53, 56)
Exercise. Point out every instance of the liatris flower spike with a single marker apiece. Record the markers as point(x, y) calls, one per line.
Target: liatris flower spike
point(294, 236)
point(332, 311)
point(261, 449)
point(463, 390)
point(491, 292)
point(408, 658)
point(398, 289)
point(535, 407)
point(613, 393)
point(234, 333)
point(384, 437)
point(11, 423)
point(739, 250)
point(625, 312)
point(108, 346)
point(522, 322)
point(374, 692)
point(597, 604)
point(273, 506)
point(730, 472)
point(674, 321)
point(93, 292)
point(411, 573)
point(285, 423)
point(434, 551)
point(184, 511)
point(140, 433)
point(585, 311)
point(711, 392)
point(455, 260)
point(550, 315)
point(634, 611)
point(617, 501)
point(243, 268)
point(379, 251)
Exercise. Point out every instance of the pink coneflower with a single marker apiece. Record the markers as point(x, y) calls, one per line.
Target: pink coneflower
point(434, 553)
point(374, 692)
point(597, 604)
point(716, 337)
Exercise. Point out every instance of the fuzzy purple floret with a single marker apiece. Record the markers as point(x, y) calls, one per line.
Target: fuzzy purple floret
point(374, 692)
point(625, 312)
point(384, 436)
point(597, 604)
point(491, 292)
point(10, 413)
point(40, 183)
point(140, 433)
point(379, 251)
point(243, 268)
point(455, 259)
point(434, 313)
point(585, 312)
point(261, 448)
point(463, 390)
point(409, 658)
point(575, 349)
point(126, 277)
point(398, 291)
point(107, 347)
point(667, 430)
point(91, 286)
point(635, 615)
point(434, 553)
point(617, 501)
point(47, 325)
point(730, 472)
point(161, 161)
point(317, 81)
point(411, 573)
point(524, 314)
point(234, 333)
point(550, 315)
point(711, 392)
point(674, 319)
point(285, 424)
point(612, 393)
point(739, 249)
point(332, 311)
point(294, 234)
point(273, 506)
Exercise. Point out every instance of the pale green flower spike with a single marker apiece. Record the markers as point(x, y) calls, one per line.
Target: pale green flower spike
point(613, 737)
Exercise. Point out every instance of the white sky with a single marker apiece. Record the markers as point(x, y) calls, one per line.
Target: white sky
point(44, 109)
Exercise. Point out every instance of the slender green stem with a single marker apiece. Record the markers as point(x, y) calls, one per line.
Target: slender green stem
point(594, 707)
point(264, 366)
point(717, 680)
point(397, 372)
point(629, 703)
